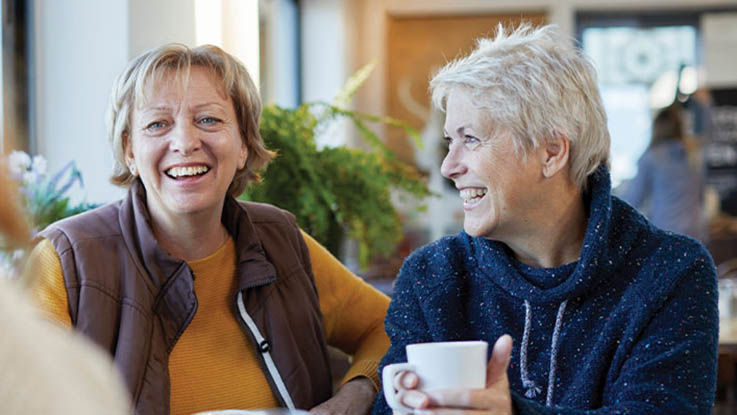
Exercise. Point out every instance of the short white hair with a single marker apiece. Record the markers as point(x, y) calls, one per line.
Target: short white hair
point(536, 85)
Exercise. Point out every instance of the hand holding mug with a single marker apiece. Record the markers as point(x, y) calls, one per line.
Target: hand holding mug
point(408, 391)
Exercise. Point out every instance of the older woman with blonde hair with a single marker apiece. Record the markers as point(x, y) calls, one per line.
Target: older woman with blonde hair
point(591, 309)
point(205, 302)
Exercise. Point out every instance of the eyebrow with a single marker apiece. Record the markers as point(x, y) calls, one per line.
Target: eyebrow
point(460, 130)
point(166, 108)
point(208, 104)
point(158, 108)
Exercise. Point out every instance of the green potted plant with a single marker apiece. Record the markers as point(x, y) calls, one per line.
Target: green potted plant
point(336, 191)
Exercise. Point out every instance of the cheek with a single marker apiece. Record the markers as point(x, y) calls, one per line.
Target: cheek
point(144, 153)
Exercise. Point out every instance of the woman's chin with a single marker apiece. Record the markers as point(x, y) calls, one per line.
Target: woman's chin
point(478, 225)
point(191, 204)
point(473, 230)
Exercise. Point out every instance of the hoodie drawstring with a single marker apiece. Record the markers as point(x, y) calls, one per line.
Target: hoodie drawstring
point(531, 387)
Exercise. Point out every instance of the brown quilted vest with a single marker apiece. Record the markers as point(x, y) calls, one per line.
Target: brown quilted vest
point(135, 300)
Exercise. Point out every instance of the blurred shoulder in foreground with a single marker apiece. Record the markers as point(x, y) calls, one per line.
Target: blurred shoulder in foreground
point(45, 368)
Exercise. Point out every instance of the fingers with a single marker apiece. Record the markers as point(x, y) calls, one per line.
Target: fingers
point(472, 401)
point(460, 398)
point(405, 380)
point(413, 399)
point(496, 370)
point(319, 410)
point(455, 398)
point(404, 383)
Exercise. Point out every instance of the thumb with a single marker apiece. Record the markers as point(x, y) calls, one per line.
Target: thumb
point(497, 368)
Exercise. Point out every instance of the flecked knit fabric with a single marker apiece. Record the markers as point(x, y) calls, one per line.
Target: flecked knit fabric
point(638, 333)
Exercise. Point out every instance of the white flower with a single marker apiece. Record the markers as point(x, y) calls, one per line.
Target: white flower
point(29, 177)
point(39, 165)
point(18, 163)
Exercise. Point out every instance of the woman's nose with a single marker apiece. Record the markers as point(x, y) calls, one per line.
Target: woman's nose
point(452, 164)
point(185, 139)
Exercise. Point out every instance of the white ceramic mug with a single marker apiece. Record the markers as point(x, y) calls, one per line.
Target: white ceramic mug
point(440, 365)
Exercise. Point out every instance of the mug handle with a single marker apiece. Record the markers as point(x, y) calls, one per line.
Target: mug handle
point(387, 380)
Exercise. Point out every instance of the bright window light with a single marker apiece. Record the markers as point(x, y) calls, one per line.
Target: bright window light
point(232, 25)
point(689, 80)
point(208, 15)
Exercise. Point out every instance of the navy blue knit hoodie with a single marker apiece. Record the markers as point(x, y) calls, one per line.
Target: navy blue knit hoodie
point(629, 328)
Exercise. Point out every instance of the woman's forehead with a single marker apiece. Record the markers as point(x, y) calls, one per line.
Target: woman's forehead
point(175, 82)
point(462, 113)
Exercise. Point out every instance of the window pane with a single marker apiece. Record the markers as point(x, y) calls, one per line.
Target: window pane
point(638, 72)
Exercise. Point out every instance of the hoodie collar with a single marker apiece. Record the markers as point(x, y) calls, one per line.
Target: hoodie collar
point(595, 263)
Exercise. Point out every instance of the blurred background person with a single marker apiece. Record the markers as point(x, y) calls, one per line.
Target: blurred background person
point(670, 182)
point(203, 301)
point(45, 369)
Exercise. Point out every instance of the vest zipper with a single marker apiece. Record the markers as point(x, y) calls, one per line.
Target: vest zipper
point(263, 347)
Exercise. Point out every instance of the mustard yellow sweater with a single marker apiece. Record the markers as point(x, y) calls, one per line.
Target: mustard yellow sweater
point(213, 366)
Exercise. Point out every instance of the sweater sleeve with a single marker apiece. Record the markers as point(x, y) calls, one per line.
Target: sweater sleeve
point(353, 313)
point(48, 289)
point(671, 368)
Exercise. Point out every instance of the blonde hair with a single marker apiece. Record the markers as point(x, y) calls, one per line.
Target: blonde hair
point(150, 67)
point(535, 85)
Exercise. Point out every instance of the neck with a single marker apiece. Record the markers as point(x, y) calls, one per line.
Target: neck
point(192, 236)
point(555, 233)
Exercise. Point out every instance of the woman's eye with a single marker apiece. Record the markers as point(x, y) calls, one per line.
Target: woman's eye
point(448, 140)
point(209, 120)
point(156, 125)
point(471, 141)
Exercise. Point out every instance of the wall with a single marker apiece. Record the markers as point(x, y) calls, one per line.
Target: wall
point(280, 52)
point(324, 67)
point(369, 26)
point(82, 45)
point(154, 23)
point(326, 40)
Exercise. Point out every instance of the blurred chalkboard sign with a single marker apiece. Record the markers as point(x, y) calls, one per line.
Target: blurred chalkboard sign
point(720, 147)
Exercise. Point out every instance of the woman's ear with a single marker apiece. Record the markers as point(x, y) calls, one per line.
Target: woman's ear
point(555, 154)
point(130, 160)
point(243, 155)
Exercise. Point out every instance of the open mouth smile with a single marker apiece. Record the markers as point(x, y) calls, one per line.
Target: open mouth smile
point(472, 196)
point(187, 172)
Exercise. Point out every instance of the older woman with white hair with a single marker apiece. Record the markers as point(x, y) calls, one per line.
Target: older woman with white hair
point(591, 309)
point(205, 302)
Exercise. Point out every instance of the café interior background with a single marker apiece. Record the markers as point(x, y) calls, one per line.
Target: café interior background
point(60, 58)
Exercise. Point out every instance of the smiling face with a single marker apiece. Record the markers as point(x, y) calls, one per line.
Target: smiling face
point(499, 188)
point(185, 145)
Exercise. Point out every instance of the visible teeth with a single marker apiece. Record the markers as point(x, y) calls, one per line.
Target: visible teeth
point(187, 171)
point(469, 194)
